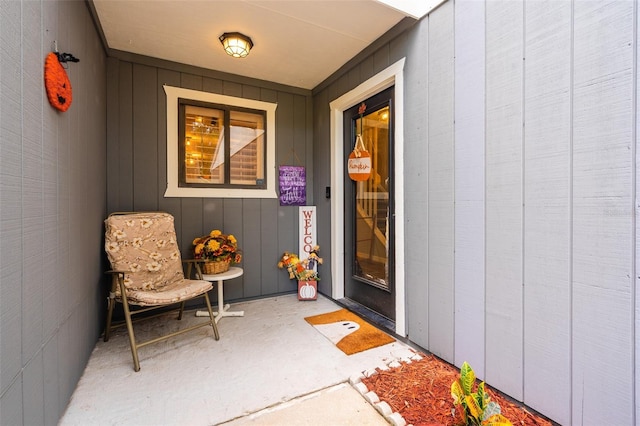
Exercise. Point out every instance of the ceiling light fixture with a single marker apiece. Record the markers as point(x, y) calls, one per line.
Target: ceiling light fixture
point(236, 44)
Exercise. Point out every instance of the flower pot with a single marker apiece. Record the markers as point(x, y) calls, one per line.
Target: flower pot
point(307, 290)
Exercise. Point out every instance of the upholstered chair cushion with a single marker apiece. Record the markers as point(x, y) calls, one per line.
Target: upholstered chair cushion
point(144, 247)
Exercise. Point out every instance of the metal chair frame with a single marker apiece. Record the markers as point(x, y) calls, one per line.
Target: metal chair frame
point(117, 282)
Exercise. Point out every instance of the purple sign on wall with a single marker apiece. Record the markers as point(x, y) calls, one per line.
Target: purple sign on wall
point(293, 186)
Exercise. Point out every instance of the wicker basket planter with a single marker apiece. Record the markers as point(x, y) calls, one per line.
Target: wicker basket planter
point(215, 267)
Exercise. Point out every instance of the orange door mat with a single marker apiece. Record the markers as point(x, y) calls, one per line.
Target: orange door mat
point(350, 333)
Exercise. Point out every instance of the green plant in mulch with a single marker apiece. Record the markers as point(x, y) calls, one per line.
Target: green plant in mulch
point(476, 406)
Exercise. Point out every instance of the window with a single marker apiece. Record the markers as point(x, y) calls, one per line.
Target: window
point(219, 146)
point(206, 159)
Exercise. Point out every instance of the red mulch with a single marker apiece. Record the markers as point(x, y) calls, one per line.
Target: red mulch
point(421, 392)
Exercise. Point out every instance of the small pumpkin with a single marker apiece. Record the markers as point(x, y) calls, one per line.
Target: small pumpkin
point(57, 83)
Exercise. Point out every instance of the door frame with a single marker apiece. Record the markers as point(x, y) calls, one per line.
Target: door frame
point(392, 75)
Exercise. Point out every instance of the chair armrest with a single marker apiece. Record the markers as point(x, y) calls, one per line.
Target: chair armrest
point(190, 263)
point(114, 272)
point(116, 278)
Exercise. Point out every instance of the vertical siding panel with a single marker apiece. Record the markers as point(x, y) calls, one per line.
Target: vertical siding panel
point(321, 159)
point(231, 88)
point(32, 391)
point(125, 138)
point(65, 195)
point(287, 216)
point(602, 382)
point(167, 204)
point(51, 295)
point(52, 403)
point(397, 48)
point(32, 186)
point(192, 224)
point(441, 182)
point(233, 220)
point(213, 215)
point(145, 139)
point(269, 246)
point(302, 144)
point(11, 401)
point(250, 92)
point(416, 180)
point(269, 243)
point(314, 192)
point(94, 85)
point(546, 239)
point(113, 133)
point(469, 184)
point(212, 85)
point(381, 59)
point(504, 196)
point(191, 81)
point(10, 214)
point(250, 245)
point(636, 113)
point(366, 71)
point(353, 79)
point(80, 189)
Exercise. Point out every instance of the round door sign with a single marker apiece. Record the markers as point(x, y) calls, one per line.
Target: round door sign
point(359, 163)
point(359, 166)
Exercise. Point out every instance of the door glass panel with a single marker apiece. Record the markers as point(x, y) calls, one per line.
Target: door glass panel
point(372, 202)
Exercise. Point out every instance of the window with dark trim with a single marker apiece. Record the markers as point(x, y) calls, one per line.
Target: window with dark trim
point(221, 146)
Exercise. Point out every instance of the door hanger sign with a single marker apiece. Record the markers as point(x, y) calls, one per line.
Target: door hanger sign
point(359, 164)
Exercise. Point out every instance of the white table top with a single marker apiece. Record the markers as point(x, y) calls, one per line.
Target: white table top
point(233, 272)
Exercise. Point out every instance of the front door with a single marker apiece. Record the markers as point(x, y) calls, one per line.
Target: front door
point(369, 209)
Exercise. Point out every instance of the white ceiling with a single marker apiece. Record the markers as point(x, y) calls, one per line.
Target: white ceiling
point(296, 42)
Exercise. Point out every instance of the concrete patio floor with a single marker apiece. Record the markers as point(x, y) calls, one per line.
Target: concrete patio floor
point(269, 367)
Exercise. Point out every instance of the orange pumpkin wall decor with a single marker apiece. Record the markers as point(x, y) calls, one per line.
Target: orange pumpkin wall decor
point(57, 83)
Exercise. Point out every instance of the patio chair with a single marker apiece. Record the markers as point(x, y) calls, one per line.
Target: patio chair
point(147, 273)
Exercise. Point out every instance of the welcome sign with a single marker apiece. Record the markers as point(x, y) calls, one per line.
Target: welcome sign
point(307, 232)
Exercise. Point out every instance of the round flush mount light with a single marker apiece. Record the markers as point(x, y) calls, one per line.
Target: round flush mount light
point(236, 44)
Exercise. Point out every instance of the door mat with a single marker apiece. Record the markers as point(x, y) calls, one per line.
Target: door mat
point(350, 333)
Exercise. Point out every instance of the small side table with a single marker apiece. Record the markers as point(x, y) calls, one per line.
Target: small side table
point(223, 310)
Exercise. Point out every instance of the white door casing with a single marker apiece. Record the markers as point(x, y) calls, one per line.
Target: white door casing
point(391, 76)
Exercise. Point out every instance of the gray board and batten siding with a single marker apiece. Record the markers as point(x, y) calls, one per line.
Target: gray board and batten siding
point(137, 165)
point(52, 206)
point(520, 144)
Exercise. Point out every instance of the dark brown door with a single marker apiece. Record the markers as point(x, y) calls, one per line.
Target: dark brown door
point(369, 210)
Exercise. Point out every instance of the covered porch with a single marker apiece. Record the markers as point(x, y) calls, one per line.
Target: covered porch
point(269, 367)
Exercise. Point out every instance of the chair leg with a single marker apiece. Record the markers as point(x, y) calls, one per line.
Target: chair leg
point(132, 337)
point(111, 303)
point(212, 318)
point(115, 282)
point(181, 311)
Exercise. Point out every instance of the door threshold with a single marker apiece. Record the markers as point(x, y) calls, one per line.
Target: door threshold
point(369, 315)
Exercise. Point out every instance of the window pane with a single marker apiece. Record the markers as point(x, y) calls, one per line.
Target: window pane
point(247, 148)
point(204, 143)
